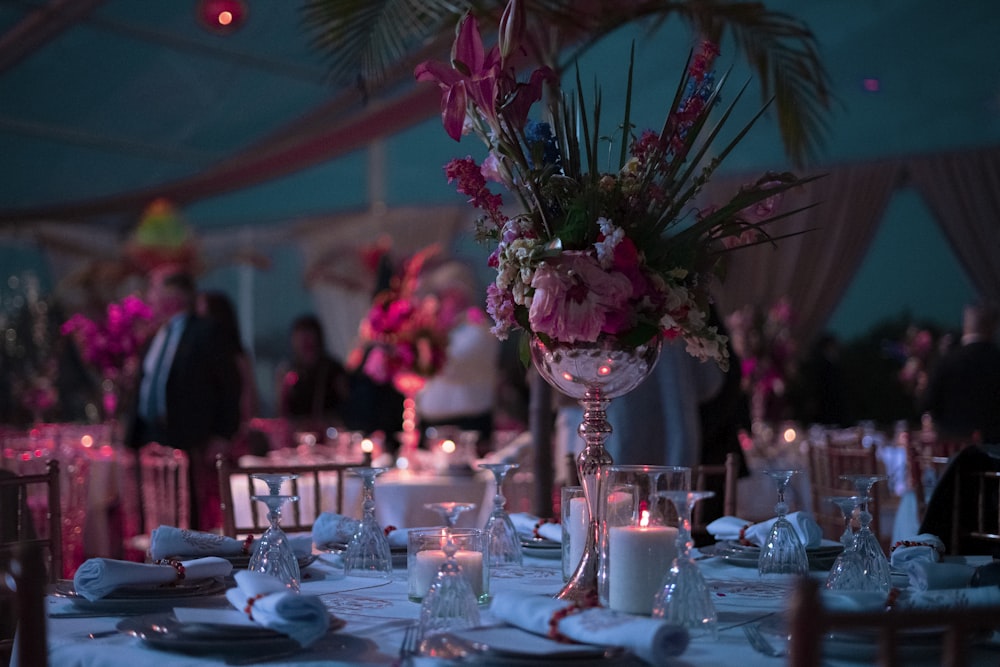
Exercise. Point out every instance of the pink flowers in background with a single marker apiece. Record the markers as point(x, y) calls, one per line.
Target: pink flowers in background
point(622, 254)
point(112, 345)
point(764, 343)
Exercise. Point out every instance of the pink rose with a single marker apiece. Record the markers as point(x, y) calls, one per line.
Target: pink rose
point(575, 299)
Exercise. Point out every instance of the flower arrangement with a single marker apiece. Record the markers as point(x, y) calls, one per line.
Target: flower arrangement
point(767, 352)
point(403, 333)
point(620, 254)
point(112, 346)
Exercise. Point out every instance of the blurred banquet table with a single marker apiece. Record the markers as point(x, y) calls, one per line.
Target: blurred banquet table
point(400, 496)
point(377, 613)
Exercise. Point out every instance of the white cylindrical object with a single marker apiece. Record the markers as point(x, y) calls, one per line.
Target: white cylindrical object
point(428, 563)
point(638, 559)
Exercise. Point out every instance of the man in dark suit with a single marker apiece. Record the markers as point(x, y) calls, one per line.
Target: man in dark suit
point(189, 389)
point(963, 392)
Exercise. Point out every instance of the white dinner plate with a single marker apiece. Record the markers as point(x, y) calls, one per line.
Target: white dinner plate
point(242, 561)
point(820, 558)
point(163, 631)
point(141, 598)
point(507, 645)
point(541, 548)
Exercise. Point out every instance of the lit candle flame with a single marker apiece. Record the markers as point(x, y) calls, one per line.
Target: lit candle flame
point(367, 446)
point(448, 446)
point(644, 519)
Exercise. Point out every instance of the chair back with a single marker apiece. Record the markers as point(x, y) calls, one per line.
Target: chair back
point(166, 498)
point(312, 479)
point(927, 458)
point(712, 477)
point(810, 621)
point(828, 460)
point(23, 580)
point(19, 526)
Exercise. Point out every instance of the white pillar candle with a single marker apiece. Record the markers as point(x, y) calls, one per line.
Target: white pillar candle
point(579, 519)
point(428, 563)
point(638, 559)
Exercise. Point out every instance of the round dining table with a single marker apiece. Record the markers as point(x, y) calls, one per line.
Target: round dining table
point(376, 614)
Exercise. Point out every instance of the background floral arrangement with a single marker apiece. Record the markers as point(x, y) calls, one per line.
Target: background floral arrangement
point(112, 346)
point(403, 332)
point(763, 342)
point(622, 253)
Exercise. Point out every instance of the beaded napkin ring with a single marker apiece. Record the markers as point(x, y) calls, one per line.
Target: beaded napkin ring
point(176, 564)
point(574, 608)
point(246, 545)
point(539, 524)
point(910, 543)
point(248, 610)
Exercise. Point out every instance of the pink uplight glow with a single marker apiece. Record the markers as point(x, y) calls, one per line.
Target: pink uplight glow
point(871, 84)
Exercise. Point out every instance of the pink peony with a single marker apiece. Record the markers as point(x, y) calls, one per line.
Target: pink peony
point(575, 299)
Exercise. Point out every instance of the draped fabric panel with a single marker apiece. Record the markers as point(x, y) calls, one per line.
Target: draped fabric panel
point(963, 192)
point(812, 269)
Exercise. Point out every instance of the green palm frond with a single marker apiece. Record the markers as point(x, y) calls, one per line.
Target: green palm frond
point(364, 39)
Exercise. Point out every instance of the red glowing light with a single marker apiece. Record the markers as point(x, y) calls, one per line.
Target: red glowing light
point(222, 16)
point(871, 85)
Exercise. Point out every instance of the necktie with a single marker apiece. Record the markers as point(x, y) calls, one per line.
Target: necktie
point(152, 406)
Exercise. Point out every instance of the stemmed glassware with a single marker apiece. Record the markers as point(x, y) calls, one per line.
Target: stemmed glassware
point(368, 552)
point(450, 511)
point(274, 554)
point(684, 598)
point(866, 543)
point(450, 603)
point(848, 571)
point(503, 543)
point(783, 552)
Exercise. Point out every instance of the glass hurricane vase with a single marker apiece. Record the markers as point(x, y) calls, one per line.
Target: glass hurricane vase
point(593, 374)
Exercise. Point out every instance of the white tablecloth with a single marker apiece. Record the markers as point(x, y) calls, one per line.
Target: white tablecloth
point(377, 613)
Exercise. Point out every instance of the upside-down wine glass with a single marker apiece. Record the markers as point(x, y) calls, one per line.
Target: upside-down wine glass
point(866, 541)
point(450, 603)
point(450, 511)
point(684, 598)
point(368, 552)
point(274, 555)
point(783, 552)
point(848, 571)
point(503, 544)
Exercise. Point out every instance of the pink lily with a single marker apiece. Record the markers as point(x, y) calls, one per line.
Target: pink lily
point(472, 75)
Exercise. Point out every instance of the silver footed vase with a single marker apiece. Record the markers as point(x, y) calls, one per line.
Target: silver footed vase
point(593, 374)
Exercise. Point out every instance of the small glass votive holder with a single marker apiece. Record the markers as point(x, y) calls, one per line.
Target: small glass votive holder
point(575, 518)
point(425, 555)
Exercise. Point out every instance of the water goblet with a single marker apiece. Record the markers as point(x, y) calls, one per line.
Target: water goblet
point(783, 552)
point(848, 571)
point(274, 555)
point(450, 603)
point(684, 598)
point(450, 511)
point(367, 553)
point(504, 544)
point(866, 541)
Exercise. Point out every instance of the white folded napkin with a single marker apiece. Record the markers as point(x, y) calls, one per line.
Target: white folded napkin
point(805, 525)
point(169, 541)
point(332, 528)
point(97, 577)
point(652, 640)
point(924, 547)
point(271, 604)
point(727, 528)
point(525, 524)
point(928, 575)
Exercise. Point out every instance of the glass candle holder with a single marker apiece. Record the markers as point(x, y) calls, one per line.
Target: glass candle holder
point(575, 518)
point(425, 554)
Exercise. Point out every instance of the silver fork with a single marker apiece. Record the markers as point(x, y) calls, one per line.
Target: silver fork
point(761, 644)
point(409, 647)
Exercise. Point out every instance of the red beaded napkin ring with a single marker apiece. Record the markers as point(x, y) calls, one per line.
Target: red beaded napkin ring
point(248, 610)
point(388, 529)
point(246, 545)
point(539, 524)
point(590, 601)
point(909, 543)
point(176, 564)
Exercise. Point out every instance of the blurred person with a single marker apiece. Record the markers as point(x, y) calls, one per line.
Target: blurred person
point(217, 306)
point(963, 391)
point(313, 389)
point(189, 389)
point(463, 393)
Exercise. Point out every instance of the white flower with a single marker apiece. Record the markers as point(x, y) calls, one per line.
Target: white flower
point(612, 237)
